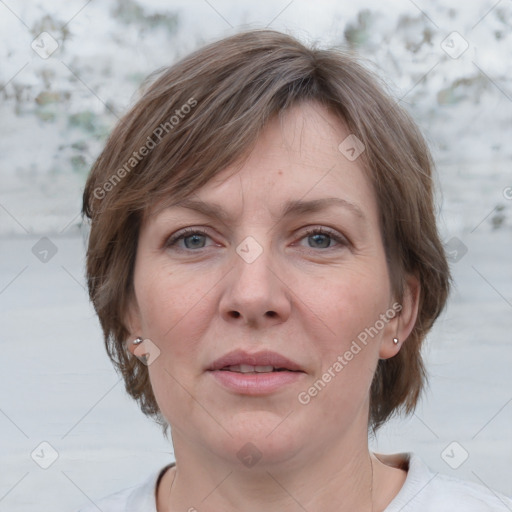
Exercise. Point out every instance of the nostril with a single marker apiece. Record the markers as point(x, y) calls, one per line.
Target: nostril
point(235, 314)
point(271, 314)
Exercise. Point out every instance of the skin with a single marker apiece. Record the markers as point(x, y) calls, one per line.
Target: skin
point(305, 296)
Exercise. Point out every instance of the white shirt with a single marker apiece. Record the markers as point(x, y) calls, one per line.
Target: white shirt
point(423, 491)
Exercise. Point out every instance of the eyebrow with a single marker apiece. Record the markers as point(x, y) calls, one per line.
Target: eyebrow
point(293, 207)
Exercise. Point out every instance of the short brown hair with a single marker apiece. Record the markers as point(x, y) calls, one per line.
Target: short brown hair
point(212, 106)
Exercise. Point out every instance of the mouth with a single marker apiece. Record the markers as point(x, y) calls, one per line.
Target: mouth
point(254, 383)
point(266, 361)
point(259, 373)
point(247, 368)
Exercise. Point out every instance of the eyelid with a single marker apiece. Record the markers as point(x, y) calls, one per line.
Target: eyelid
point(334, 234)
point(172, 240)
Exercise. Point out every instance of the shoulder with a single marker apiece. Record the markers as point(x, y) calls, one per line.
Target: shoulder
point(132, 499)
point(427, 491)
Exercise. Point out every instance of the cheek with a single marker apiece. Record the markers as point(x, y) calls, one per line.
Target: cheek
point(164, 297)
point(173, 316)
point(176, 310)
point(349, 301)
point(349, 305)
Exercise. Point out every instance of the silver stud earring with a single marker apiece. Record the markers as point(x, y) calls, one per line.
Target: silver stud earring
point(395, 341)
point(137, 341)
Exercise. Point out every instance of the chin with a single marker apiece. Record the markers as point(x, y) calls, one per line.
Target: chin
point(262, 438)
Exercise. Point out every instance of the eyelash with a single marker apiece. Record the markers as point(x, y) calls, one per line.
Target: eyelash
point(185, 233)
point(326, 231)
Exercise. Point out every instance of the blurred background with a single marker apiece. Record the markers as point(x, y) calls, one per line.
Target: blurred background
point(70, 69)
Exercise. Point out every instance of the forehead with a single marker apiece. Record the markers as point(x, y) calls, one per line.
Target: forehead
point(296, 160)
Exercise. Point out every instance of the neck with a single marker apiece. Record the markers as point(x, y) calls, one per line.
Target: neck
point(342, 479)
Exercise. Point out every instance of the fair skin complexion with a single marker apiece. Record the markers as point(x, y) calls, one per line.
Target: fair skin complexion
point(306, 296)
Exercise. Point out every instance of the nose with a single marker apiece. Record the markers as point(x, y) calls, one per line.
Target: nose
point(256, 292)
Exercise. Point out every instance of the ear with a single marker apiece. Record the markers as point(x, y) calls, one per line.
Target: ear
point(402, 324)
point(133, 324)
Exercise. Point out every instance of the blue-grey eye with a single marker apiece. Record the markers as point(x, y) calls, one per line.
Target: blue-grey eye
point(195, 241)
point(188, 239)
point(323, 238)
point(320, 240)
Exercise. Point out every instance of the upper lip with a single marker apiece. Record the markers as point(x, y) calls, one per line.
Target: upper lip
point(264, 358)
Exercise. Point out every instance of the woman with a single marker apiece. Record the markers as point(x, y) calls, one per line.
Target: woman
point(265, 263)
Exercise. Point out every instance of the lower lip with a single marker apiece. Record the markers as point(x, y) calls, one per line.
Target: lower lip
point(256, 383)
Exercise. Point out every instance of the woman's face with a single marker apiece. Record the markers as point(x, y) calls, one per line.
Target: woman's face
point(285, 256)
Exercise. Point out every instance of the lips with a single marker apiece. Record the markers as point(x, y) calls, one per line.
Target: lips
point(256, 374)
point(249, 368)
point(260, 362)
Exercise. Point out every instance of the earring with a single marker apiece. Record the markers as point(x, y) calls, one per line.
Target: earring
point(137, 341)
point(395, 341)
